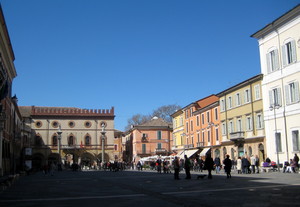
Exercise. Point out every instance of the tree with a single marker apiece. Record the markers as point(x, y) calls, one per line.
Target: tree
point(163, 112)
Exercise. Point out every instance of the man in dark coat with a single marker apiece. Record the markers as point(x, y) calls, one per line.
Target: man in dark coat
point(209, 165)
point(228, 164)
point(187, 167)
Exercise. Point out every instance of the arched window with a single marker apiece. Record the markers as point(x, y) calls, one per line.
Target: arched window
point(54, 140)
point(87, 140)
point(71, 140)
point(232, 154)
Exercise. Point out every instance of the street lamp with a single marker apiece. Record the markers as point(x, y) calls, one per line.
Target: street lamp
point(273, 107)
point(59, 132)
point(103, 139)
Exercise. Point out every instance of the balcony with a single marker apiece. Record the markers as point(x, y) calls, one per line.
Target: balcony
point(237, 136)
point(160, 151)
point(200, 144)
point(187, 146)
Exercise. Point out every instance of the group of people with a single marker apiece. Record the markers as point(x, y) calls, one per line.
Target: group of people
point(209, 165)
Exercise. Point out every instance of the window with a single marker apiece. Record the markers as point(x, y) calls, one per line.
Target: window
point(208, 116)
point(272, 61)
point(198, 137)
point(275, 97)
point(223, 128)
point(186, 114)
point(259, 121)
point(222, 105)
point(71, 140)
point(238, 99)
point(230, 127)
point(216, 114)
point(38, 124)
point(289, 53)
point(71, 124)
point(203, 137)
point(181, 121)
point(144, 148)
point(278, 142)
point(202, 116)
point(116, 147)
point(229, 102)
point(247, 96)
point(208, 136)
point(54, 140)
point(158, 145)
point(292, 93)
point(187, 127)
point(239, 125)
point(87, 124)
point(257, 92)
point(55, 124)
point(192, 126)
point(296, 143)
point(159, 135)
point(249, 123)
point(217, 134)
point(198, 122)
point(87, 140)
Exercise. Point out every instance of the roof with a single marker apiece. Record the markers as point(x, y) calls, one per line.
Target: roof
point(291, 14)
point(154, 123)
point(240, 85)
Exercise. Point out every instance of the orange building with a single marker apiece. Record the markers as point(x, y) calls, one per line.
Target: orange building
point(151, 138)
point(201, 127)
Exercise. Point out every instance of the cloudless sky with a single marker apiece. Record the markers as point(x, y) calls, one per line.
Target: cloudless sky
point(135, 55)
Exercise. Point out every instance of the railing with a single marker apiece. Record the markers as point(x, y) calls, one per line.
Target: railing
point(160, 150)
point(237, 135)
point(200, 144)
point(187, 146)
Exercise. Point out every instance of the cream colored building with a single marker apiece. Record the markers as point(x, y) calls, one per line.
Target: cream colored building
point(178, 131)
point(279, 46)
point(241, 116)
point(81, 138)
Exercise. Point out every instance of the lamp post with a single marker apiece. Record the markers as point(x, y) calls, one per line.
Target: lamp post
point(59, 132)
point(273, 107)
point(103, 132)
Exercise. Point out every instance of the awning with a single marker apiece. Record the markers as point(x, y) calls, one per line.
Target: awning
point(204, 151)
point(188, 153)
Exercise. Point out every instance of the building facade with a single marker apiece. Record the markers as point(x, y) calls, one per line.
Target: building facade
point(78, 133)
point(279, 46)
point(10, 120)
point(241, 116)
point(178, 131)
point(151, 138)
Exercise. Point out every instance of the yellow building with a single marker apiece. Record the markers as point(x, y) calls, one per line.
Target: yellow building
point(178, 131)
point(241, 115)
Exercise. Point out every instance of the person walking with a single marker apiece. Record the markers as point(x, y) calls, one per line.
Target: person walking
point(218, 165)
point(252, 161)
point(176, 168)
point(228, 164)
point(187, 167)
point(239, 165)
point(296, 160)
point(257, 163)
point(209, 165)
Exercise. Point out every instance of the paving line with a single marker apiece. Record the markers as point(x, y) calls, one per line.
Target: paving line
point(228, 189)
point(71, 198)
point(141, 195)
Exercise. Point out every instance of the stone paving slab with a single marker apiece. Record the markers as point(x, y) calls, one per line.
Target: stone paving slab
point(148, 188)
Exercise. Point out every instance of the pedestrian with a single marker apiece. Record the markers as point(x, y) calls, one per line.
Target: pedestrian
point(239, 165)
point(52, 168)
point(252, 161)
point(217, 164)
point(209, 165)
point(187, 167)
point(228, 164)
point(296, 160)
point(257, 163)
point(158, 165)
point(176, 168)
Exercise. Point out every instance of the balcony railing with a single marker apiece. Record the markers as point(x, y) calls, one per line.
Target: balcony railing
point(200, 144)
point(237, 135)
point(187, 146)
point(160, 150)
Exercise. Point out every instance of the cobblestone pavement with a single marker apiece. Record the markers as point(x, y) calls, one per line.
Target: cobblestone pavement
point(148, 188)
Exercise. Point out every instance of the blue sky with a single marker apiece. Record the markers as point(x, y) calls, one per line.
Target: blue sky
point(135, 55)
